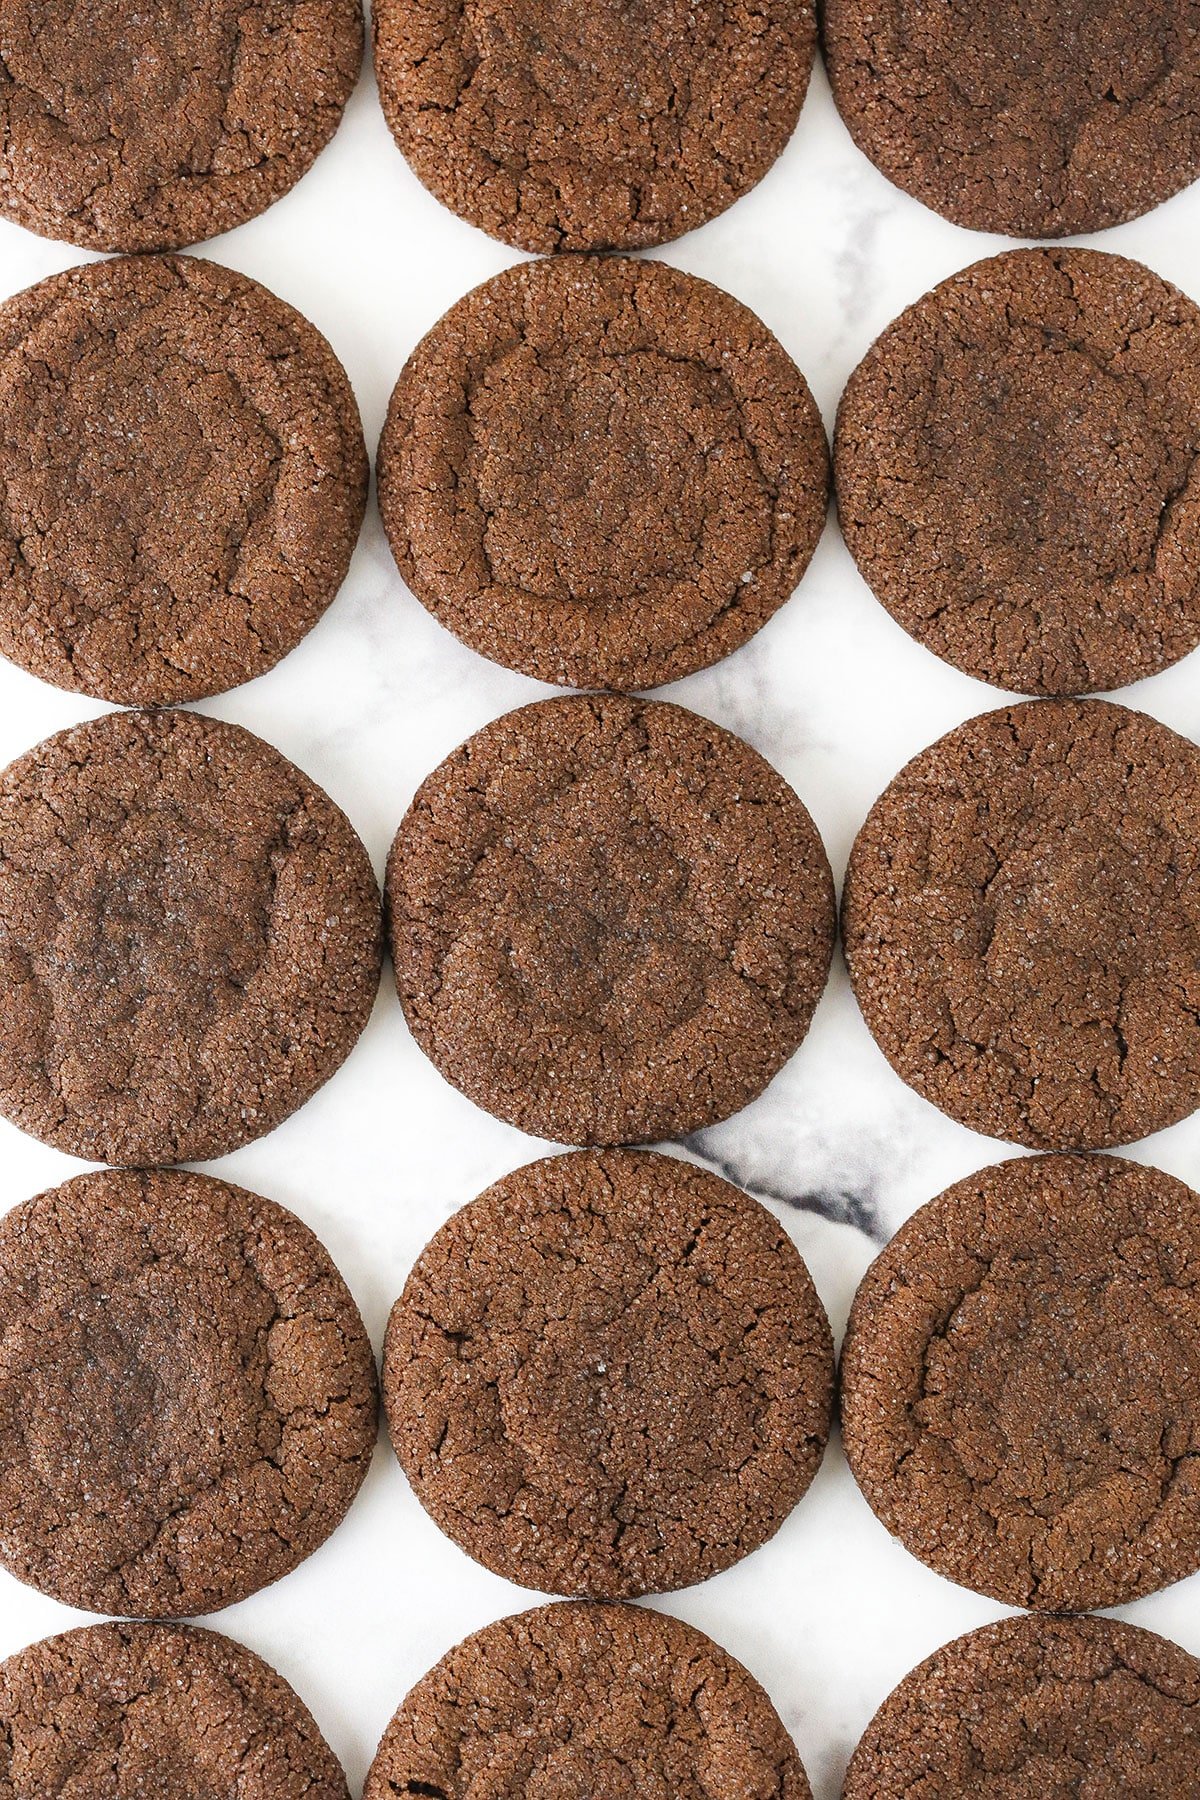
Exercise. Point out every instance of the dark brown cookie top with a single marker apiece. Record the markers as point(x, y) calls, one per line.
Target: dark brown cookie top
point(189, 938)
point(1016, 470)
point(602, 472)
point(150, 129)
point(187, 1393)
point(156, 1712)
point(1038, 1709)
point(200, 560)
point(610, 920)
point(1022, 923)
point(615, 1702)
point(609, 1375)
point(1021, 1382)
point(1038, 120)
point(578, 126)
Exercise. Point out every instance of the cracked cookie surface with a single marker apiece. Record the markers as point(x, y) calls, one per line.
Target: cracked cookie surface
point(610, 920)
point(155, 127)
point(182, 479)
point(1040, 120)
point(602, 472)
point(614, 1702)
point(1021, 1382)
point(1037, 1709)
point(130, 1712)
point(1017, 471)
point(592, 124)
point(187, 1393)
point(1021, 920)
point(609, 1375)
point(189, 938)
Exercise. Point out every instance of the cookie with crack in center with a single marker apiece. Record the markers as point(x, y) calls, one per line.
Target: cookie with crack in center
point(189, 938)
point(187, 1393)
point(122, 1712)
point(615, 1702)
point(602, 472)
point(1021, 1382)
point(610, 920)
point(1018, 471)
point(201, 560)
point(1021, 919)
point(1040, 120)
point(156, 129)
point(592, 124)
point(1037, 1709)
point(609, 1375)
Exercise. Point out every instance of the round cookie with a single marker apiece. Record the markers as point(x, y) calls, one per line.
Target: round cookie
point(150, 130)
point(609, 1375)
point(592, 127)
point(1016, 462)
point(614, 1702)
point(1021, 1382)
point(189, 938)
point(1021, 920)
point(610, 920)
point(602, 472)
point(1037, 1709)
point(201, 560)
point(187, 1393)
point(122, 1712)
point(1041, 120)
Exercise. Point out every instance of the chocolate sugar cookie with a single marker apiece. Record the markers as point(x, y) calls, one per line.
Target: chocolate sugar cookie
point(1016, 462)
point(200, 560)
point(122, 1712)
point(614, 1702)
point(579, 126)
point(609, 1375)
point(1021, 1382)
point(1038, 1709)
point(189, 938)
point(1040, 120)
point(602, 472)
point(187, 1393)
point(1022, 923)
point(146, 130)
point(610, 920)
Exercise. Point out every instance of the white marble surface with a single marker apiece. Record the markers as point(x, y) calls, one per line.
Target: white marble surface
point(831, 1613)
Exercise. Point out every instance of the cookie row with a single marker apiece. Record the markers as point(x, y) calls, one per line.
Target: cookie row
point(600, 472)
point(584, 127)
point(609, 1375)
point(602, 1700)
point(611, 922)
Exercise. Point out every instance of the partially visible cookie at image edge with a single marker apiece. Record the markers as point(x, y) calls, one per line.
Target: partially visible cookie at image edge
point(609, 1375)
point(1016, 464)
point(1020, 1382)
point(590, 1699)
point(584, 127)
point(602, 472)
point(610, 920)
point(126, 1711)
point(1021, 919)
point(1034, 120)
point(153, 130)
point(198, 562)
point(1030, 1707)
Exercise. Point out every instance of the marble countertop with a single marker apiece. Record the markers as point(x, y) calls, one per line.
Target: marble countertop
point(831, 1613)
